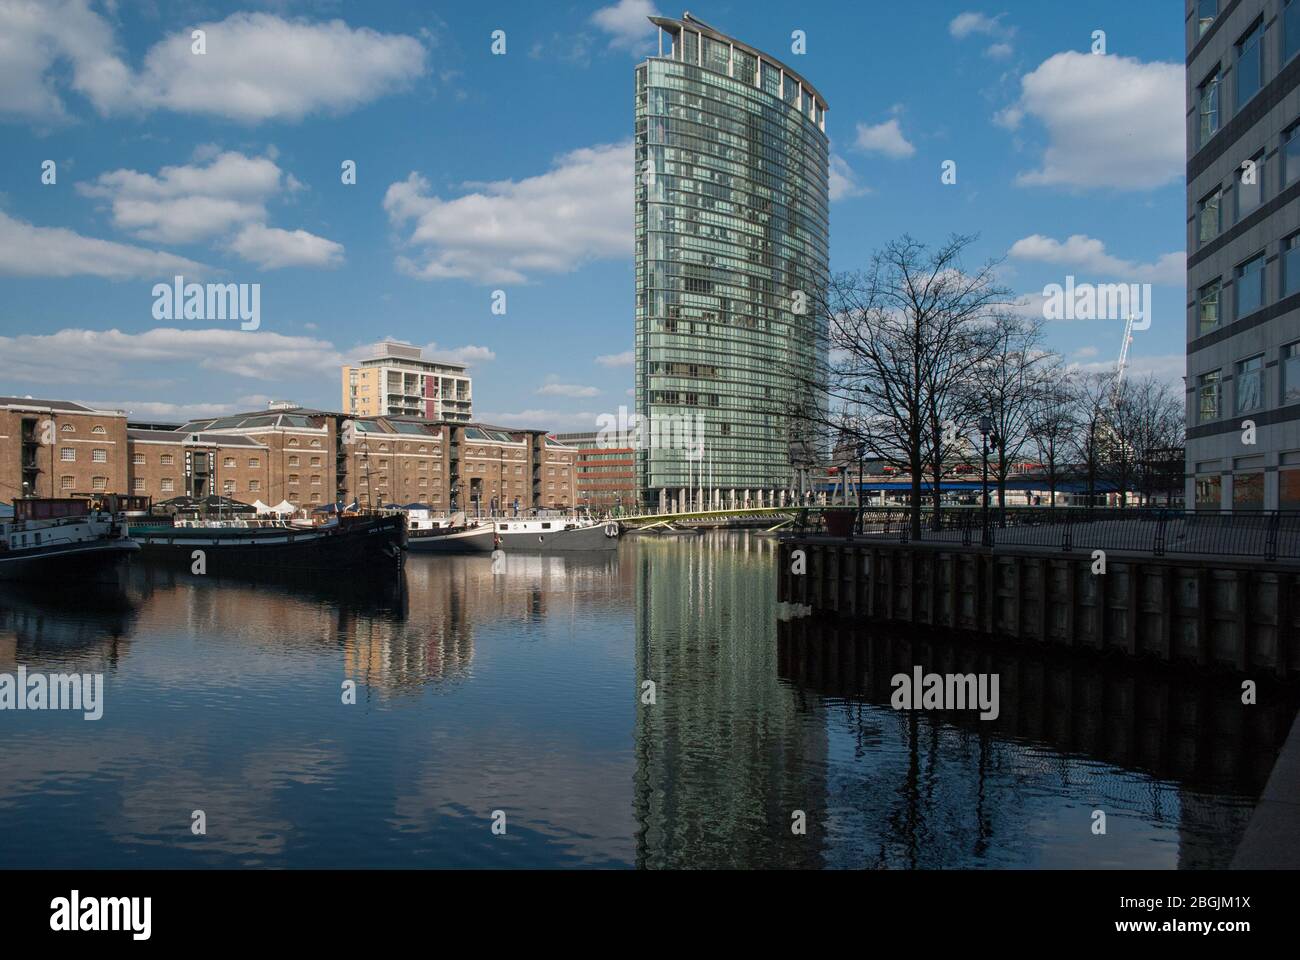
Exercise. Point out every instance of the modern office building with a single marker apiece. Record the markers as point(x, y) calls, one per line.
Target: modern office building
point(732, 232)
point(1243, 263)
point(396, 380)
point(606, 474)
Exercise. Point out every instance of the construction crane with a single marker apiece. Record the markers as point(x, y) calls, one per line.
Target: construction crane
point(1123, 354)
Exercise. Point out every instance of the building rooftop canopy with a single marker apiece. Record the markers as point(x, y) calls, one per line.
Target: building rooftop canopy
point(688, 22)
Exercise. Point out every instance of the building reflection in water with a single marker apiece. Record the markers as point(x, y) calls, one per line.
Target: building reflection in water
point(1141, 742)
point(726, 754)
point(522, 688)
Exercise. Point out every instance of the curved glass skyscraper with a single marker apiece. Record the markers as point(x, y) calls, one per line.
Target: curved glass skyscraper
point(732, 261)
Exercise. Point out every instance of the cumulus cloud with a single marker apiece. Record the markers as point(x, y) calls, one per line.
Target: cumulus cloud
point(973, 23)
point(509, 230)
point(80, 356)
point(271, 248)
point(965, 24)
point(469, 354)
point(554, 389)
point(1088, 254)
point(626, 23)
point(886, 138)
point(222, 193)
point(257, 66)
point(190, 202)
point(624, 359)
point(1111, 121)
point(31, 251)
point(843, 181)
point(543, 419)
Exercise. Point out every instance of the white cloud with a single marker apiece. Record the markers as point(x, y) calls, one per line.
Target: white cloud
point(161, 410)
point(626, 22)
point(1111, 121)
point(191, 202)
point(220, 193)
point(965, 24)
point(1089, 254)
point(257, 66)
point(886, 138)
point(95, 356)
point(505, 231)
point(542, 419)
point(624, 359)
point(271, 248)
point(1169, 367)
point(567, 390)
point(972, 23)
point(468, 354)
point(843, 181)
point(31, 251)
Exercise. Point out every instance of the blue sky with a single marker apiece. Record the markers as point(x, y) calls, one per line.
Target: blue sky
point(479, 172)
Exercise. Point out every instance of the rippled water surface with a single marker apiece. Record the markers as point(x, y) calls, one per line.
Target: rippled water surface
point(522, 692)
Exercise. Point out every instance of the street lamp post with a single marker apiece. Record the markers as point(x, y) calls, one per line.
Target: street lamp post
point(986, 427)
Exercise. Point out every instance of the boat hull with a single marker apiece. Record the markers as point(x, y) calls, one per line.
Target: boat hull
point(353, 544)
point(578, 540)
point(472, 540)
point(99, 562)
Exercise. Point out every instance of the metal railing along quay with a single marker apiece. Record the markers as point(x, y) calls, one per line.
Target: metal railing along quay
point(1268, 535)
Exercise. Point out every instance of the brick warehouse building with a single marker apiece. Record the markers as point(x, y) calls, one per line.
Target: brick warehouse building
point(308, 457)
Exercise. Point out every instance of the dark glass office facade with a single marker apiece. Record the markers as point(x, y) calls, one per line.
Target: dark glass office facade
point(732, 237)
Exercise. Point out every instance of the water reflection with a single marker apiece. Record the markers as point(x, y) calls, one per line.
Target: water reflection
point(524, 689)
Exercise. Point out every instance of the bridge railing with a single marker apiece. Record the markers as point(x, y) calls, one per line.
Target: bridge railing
point(1268, 535)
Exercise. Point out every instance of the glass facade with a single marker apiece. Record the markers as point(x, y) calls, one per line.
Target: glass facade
point(732, 234)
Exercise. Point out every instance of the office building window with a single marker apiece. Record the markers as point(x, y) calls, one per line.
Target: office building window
point(137, 459)
point(1249, 384)
point(227, 486)
point(68, 428)
point(254, 463)
point(1250, 185)
point(228, 462)
point(1290, 29)
point(1208, 222)
point(1248, 491)
point(137, 485)
point(65, 483)
point(1250, 286)
point(1291, 154)
point(254, 486)
point(167, 485)
point(1291, 373)
point(1207, 300)
point(67, 454)
point(99, 456)
point(1208, 98)
point(1209, 493)
point(166, 459)
point(98, 430)
point(1207, 396)
point(1250, 64)
point(1291, 265)
point(1206, 11)
point(1288, 489)
point(99, 483)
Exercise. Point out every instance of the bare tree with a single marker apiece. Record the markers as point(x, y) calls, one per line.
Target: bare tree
point(1010, 378)
point(1053, 421)
point(1089, 447)
point(904, 340)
